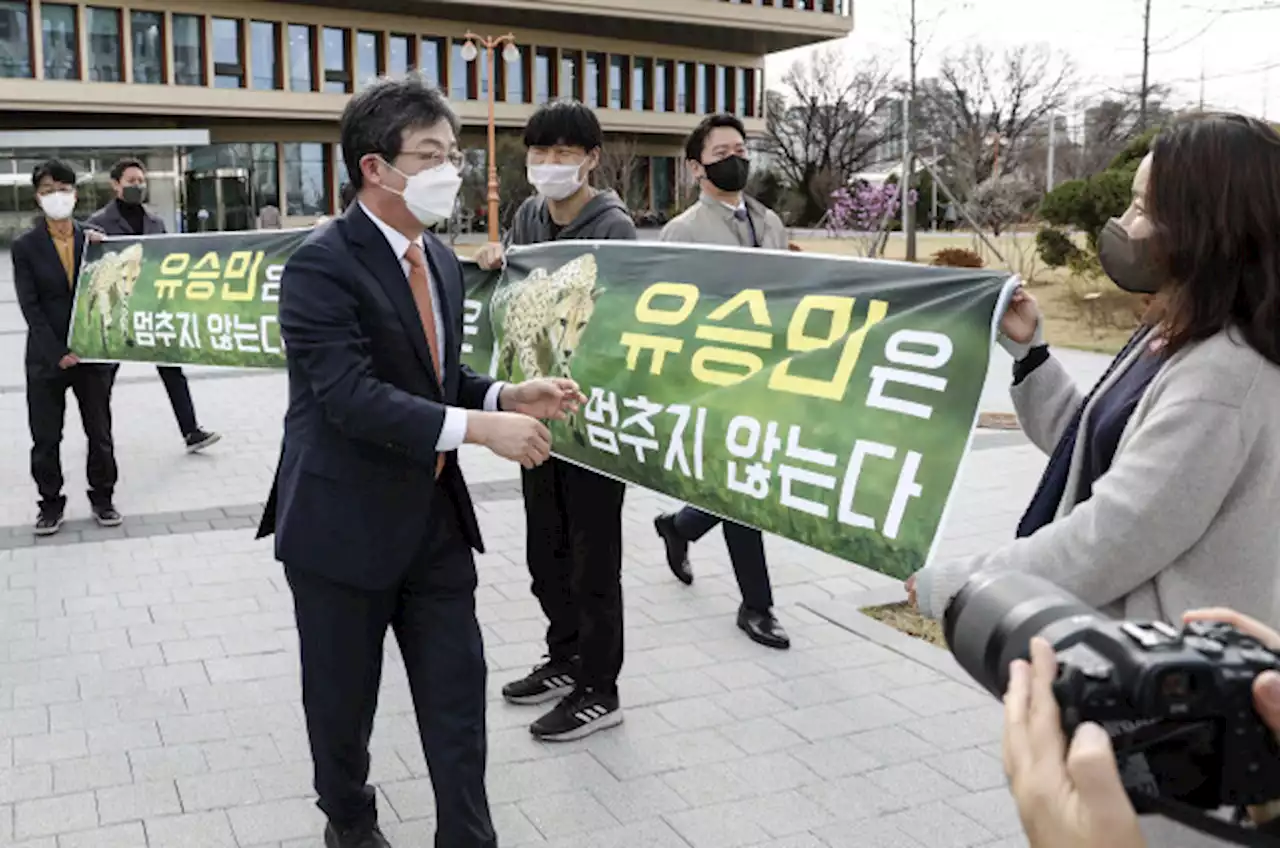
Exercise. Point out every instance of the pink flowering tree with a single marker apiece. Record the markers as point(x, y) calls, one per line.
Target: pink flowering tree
point(864, 209)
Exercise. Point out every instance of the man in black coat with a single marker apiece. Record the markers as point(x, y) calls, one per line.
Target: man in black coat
point(372, 517)
point(46, 264)
point(126, 216)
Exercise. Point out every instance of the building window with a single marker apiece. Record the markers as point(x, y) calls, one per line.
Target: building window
point(482, 76)
point(15, 40)
point(264, 55)
point(340, 169)
point(302, 57)
point(543, 62)
point(593, 79)
point(662, 78)
point(106, 53)
point(188, 50)
point(61, 42)
point(431, 63)
point(266, 176)
point(641, 80)
point(511, 87)
point(399, 55)
point(686, 85)
point(755, 108)
point(147, 31)
point(570, 74)
point(617, 81)
point(337, 60)
point(368, 58)
point(701, 100)
point(306, 180)
point(461, 86)
point(228, 54)
point(720, 93)
point(662, 168)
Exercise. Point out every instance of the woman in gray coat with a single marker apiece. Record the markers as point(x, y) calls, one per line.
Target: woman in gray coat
point(1163, 488)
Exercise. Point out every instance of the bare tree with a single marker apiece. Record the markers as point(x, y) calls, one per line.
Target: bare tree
point(619, 170)
point(823, 126)
point(987, 105)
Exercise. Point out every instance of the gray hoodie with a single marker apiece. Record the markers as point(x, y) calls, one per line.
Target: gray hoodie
point(604, 217)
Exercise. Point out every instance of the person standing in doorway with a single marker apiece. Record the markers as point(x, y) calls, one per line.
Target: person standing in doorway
point(717, 159)
point(371, 513)
point(46, 264)
point(127, 216)
point(574, 515)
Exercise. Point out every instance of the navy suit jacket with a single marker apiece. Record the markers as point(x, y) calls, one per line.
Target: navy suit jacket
point(356, 483)
point(44, 296)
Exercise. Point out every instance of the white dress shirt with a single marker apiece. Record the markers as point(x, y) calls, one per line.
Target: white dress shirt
point(454, 430)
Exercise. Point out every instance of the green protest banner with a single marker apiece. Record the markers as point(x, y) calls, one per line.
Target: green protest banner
point(829, 400)
point(209, 299)
point(826, 399)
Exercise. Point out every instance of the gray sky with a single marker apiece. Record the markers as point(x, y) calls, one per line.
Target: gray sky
point(1104, 37)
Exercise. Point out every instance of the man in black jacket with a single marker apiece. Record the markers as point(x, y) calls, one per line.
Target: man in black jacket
point(46, 264)
point(126, 216)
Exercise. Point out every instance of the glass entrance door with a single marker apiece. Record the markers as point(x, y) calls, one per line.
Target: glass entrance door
point(218, 201)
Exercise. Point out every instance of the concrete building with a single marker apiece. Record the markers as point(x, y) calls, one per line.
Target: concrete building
point(235, 103)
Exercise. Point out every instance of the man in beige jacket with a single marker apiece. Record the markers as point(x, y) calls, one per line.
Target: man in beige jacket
point(717, 159)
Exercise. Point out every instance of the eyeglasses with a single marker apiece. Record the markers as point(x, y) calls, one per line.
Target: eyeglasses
point(434, 158)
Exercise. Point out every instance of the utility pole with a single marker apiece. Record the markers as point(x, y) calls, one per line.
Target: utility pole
point(908, 159)
point(1146, 68)
point(933, 222)
point(1053, 144)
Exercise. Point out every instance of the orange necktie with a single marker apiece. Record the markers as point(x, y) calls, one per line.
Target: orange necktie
point(420, 285)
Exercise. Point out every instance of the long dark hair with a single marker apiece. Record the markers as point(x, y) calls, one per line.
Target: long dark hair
point(1214, 201)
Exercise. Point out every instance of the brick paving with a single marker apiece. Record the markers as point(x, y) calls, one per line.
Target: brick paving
point(149, 681)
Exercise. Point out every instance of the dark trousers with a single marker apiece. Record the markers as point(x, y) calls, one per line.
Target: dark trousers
point(46, 414)
point(574, 548)
point(433, 615)
point(175, 383)
point(746, 552)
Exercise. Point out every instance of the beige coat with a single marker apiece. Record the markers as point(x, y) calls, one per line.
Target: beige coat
point(711, 222)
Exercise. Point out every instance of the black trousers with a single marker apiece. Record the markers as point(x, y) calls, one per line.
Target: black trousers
point(574, 546)
point(46, 414)
point(746, 552)
point(433, 615)
point(184, 409)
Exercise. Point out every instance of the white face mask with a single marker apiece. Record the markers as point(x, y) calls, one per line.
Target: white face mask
point(59, 205)
point(430, 195)
point(555, 182)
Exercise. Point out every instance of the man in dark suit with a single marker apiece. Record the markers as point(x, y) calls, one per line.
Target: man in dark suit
point(46, 264)
point(372, 518)
point(126, 216)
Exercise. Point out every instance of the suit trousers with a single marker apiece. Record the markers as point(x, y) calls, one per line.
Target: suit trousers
point(432, 613)
point(46, 415)
point(574, 549)
point(746, 552)
point(184, 409)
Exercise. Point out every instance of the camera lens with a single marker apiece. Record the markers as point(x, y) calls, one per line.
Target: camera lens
point(991, 622)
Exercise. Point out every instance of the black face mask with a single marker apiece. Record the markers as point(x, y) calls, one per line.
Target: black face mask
point(133, 194)
point(1127, 260)
point(730, 173)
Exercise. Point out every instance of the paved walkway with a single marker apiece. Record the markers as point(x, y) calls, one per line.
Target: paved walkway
point(149, 674)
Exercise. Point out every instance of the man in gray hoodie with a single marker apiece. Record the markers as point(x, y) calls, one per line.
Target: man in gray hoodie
point(574, 515)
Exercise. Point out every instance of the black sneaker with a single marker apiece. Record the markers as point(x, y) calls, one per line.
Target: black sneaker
point(546, 682)
point(49, 521)
point(106, 516)
point(580, 714)
point(198, 440)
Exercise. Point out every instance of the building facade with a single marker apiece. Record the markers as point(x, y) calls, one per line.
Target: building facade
point(234, 104)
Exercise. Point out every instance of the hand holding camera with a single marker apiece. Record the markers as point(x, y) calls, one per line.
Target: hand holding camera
point(1179, 722)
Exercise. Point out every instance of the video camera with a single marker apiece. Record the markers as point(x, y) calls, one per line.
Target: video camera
point(1177, 702)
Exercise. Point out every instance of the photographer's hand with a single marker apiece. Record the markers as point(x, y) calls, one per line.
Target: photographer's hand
point(1067, 798)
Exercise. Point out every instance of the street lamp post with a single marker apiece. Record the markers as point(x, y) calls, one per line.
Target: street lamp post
point(510, 54)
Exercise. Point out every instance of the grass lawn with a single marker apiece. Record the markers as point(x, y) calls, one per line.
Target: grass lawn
point(906, 620)
point(1097, 324)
